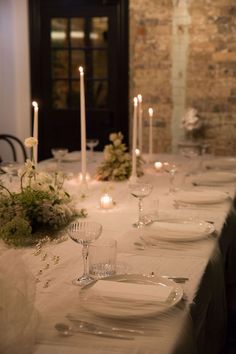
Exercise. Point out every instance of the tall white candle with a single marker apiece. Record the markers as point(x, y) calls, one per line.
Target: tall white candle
point(35, 131)
point(140, 123)
point(150, 112)
point(134, 142)
point(82, 125)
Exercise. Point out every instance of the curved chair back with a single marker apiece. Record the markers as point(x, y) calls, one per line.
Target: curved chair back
point(15, 145)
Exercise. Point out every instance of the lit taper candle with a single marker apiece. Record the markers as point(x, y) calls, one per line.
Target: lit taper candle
point(140, 123)
point(150, 112)
point(134, 142)
point(35, 131)
point(82, 126)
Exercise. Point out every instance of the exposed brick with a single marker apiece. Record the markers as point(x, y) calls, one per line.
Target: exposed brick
point(210, 84)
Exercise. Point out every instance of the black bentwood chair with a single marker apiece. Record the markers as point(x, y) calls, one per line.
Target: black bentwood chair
point(14, 143)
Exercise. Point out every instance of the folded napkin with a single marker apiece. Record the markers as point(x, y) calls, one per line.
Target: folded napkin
point(201, 197)
point(214, 178)
point(132, 291)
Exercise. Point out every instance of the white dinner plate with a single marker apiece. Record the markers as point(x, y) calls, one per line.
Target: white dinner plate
point(227, 163)
point(72, 157)
point(214, 178)
point(120, 307)
point(201, 197)
point(178, 230)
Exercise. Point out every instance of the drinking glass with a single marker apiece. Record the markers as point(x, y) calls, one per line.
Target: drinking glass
point(171, 168)
point(84, 232)
point(58, 154)
point(102, 258)
point(10, 168)
point(140, 191)
point(92, 143)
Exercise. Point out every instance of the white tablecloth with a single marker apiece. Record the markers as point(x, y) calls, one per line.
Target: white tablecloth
point(195, 325)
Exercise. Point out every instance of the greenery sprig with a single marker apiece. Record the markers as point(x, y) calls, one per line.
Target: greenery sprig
point(41, 207)
point(117, 163)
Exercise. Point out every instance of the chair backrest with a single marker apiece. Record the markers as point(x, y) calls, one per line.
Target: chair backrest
point(15, 145)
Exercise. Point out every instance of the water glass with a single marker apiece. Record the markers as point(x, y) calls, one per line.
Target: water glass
point(102, 258)
point(152, 210)
point(59, 154)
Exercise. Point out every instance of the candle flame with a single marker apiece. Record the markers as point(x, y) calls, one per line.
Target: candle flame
point(140, 98)
point(35, 104)
point(150, 111)
point(81, 70)
point(135, 101)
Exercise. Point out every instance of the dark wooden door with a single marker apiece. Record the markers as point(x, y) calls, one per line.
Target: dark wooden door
point(65, 35)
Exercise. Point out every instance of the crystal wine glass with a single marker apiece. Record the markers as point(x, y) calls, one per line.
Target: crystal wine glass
point(92, 143)
point(58, 154)
point(84, 232)
point(140, 191)
point(171, 168)
point(10, 168)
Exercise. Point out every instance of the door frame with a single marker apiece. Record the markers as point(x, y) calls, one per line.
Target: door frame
point(35, 31)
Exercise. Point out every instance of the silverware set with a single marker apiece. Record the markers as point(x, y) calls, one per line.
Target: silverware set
point(88, 328)
point(81, 326)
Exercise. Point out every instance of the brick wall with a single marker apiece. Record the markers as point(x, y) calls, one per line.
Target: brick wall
point(183, 54)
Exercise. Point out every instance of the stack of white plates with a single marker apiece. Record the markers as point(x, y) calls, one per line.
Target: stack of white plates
point(177, 230)
point(226, 163)
point(201, 197)
point(214, 178)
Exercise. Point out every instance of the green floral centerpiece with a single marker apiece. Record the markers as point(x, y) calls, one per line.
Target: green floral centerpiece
point(117, 164)
point(40, 208)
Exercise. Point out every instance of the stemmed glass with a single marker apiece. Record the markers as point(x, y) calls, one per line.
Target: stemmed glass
point(84, 232)
point(171, 168)
point(58, 154)
point(92, 143)
point(140, 191)
point(10, 168)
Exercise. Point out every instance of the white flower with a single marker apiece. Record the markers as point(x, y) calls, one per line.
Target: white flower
point(107, 156)
point(191, 121)
point(28, 168)
point(112, 136)
point(30, 142)
point(117, 142)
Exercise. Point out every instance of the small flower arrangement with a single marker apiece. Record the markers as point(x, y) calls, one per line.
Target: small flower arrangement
point(117, 164)
point(41, 206)
point(192, 124)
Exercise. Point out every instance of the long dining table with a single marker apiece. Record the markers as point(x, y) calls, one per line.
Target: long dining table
point(46, 296)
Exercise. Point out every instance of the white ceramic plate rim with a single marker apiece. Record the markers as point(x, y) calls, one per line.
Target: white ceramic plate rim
point(72, 157)
point(225, 163)
point(217, 197)
point(215, 177)
point(152, 308)
point(210, 228)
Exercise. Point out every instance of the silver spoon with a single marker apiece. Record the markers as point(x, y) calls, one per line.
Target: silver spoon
point(67, 331)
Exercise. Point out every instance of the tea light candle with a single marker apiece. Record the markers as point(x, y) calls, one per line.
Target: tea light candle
point(106, 201)
point(158, 165)
point(137, 152)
